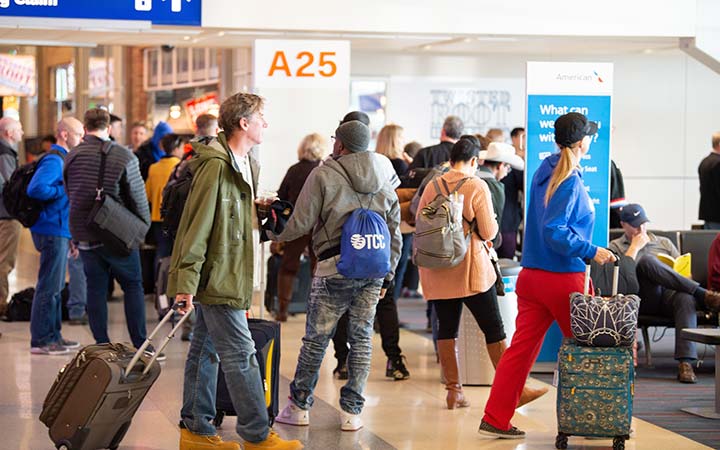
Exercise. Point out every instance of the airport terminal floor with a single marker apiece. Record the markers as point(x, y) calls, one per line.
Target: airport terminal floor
point(404, 415)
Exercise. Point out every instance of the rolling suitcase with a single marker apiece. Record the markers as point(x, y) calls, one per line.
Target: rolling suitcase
point(266, 335)
point(595, 393)
point(92, 402)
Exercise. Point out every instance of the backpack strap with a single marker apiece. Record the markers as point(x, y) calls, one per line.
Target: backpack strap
point(447, 186)
point(101, 176)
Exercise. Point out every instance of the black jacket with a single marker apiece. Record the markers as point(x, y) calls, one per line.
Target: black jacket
point(8, 164)
point(145, 158)
point(432, 156)
point(294, 180)
point(709, 172)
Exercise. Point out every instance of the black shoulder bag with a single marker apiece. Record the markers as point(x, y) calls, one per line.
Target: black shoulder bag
point(118, 228)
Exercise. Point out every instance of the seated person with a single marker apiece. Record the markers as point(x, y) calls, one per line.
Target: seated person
point(714, 265)
point(663, 292)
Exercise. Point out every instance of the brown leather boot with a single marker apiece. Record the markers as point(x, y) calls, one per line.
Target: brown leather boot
point(449, 364)
point(496, 350)
point(285, 291)
point(686, 374)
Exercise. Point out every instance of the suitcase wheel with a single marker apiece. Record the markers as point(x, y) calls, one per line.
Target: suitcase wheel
point(63, 445)
point(561, 441)
point(619, 443)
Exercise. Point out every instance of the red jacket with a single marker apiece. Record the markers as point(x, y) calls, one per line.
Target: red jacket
point(714, 265)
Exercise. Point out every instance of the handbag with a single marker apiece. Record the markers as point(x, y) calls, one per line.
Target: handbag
point(598, 321)
point(118, 228)
point(499, 283)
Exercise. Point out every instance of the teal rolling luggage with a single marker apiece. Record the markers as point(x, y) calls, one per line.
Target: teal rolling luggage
point(595, 393)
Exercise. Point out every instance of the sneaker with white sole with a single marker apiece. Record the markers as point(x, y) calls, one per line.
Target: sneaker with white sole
point(53, 349)
point(70, 345)
point(350, 422)
point(294, 415)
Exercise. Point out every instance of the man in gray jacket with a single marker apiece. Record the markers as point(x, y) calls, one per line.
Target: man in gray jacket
point(11, 134)
point(353, 178)
point(123, 182)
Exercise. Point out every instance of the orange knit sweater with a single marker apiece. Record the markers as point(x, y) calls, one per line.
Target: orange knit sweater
point(475, 273)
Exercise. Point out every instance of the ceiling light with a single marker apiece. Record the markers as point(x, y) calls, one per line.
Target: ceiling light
point(467, 40)
point(175, 112)
point(221, 34)
point(648, 51)
point(186, 38)
point(427, 47)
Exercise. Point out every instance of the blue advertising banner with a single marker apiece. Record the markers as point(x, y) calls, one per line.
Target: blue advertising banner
point(554, 89)
point(542, 112)
point(159, 12)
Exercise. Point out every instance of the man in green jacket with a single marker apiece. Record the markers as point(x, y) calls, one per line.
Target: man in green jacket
point(212, 265)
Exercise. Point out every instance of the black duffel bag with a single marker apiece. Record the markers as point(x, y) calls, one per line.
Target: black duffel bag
point(118, 228)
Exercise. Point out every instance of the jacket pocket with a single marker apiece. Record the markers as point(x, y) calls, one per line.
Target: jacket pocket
point(232, 231)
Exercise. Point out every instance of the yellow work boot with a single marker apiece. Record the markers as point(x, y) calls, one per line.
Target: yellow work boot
point(192, 441)
point(274, 442)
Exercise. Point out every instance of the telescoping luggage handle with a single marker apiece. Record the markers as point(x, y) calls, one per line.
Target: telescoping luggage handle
point(164, 343)
point(616, 275)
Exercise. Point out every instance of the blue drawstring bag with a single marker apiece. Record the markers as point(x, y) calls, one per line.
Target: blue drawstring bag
point(364, 246)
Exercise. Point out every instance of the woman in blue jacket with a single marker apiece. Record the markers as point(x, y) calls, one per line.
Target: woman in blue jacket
point(558, 230)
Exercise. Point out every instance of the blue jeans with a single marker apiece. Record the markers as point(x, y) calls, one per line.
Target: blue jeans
point(98, 264)
point(221, 333)
point(77, 287)
point(402, 264)
point(46, 315)
point(711, 225)
point(329, 299)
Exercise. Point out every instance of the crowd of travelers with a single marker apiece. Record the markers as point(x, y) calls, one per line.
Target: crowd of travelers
point(377, 197)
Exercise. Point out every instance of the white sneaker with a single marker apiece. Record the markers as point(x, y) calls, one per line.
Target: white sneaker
point(350, 422)
point(294, 415)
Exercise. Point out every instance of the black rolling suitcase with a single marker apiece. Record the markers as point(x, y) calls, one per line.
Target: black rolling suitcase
point(92, 402)
point(266, 335)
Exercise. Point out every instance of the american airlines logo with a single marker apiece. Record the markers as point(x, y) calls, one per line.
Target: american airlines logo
point(368, 241)
point(147, 5)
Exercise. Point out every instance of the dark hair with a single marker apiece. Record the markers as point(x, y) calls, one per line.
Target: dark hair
point(453, 127)
point(49, 138)
point(464, 150)
point(114, 118)
point(516, 131)
point(492, 164)
point(412, 148)
point(96, 119)
point(170, 142)
point(472, 138)
point(203, 122)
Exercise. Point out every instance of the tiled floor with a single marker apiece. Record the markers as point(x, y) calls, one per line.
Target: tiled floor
point(404, 415)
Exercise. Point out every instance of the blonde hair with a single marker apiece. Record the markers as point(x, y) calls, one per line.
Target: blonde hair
point(313, 147)
point(568, 162)
point(389, 141)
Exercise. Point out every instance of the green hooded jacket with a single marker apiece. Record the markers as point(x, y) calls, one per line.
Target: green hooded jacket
point(213, 253)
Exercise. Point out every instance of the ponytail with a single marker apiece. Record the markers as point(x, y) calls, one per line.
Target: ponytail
point(567, 163)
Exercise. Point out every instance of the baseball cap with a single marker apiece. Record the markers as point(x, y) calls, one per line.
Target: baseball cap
point(504, 153)
point(633, 214)
point(573, 127)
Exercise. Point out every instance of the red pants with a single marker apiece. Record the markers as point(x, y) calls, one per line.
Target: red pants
point(542, 297)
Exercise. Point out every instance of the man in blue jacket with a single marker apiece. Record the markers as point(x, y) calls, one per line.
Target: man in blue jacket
point(51, 236)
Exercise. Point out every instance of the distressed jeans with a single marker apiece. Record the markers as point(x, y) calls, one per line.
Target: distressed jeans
point(330, 298)
point(221, 333)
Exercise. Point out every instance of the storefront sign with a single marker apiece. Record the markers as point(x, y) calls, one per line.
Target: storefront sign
point(293, 64)
point(555, 89)
point(207, 104)
point(17, 75)
point(159, 12)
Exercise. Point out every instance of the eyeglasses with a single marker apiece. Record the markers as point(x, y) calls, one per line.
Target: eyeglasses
point(332, 138)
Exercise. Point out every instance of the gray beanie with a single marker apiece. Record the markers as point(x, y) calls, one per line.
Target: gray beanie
point(354, 135)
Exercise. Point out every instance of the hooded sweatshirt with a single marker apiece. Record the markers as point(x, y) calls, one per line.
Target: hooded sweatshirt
point(328, 198)
point(557, 236)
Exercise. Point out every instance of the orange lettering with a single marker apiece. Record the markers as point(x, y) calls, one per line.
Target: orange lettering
point(280, 63)
point(301, 71)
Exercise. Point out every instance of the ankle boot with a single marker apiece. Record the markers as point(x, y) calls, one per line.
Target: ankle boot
point(449, 365)
point(496, 350)
point(285, 291)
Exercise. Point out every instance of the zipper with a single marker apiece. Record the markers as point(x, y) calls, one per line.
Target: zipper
point(434, 255)
point(434, 230)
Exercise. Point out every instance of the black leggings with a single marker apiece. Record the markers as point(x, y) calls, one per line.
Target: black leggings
point(483, 306)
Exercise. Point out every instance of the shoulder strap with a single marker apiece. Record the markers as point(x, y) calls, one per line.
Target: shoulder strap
point(101, 176)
